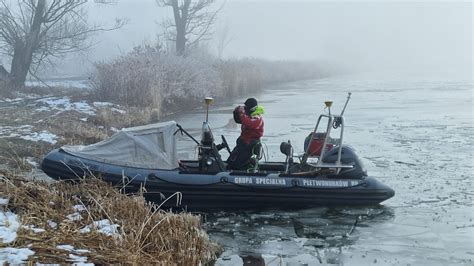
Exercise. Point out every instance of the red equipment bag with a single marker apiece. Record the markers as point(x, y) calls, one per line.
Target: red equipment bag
point(316, 145)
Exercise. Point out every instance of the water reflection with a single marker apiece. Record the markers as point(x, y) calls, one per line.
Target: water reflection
point(282, 235)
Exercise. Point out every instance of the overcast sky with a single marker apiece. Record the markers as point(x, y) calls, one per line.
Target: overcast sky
point(363, 35)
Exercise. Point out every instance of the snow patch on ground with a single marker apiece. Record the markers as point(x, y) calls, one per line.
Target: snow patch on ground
point(74, 217)
point(102, 226)
point(4, 201)
point(31, 161)
point(72, 249)
point(80, 251)
point(108, 104)
point(14, 256)
point(64, 104)
point(25, 132)
point(49, 104)
point(9, 131)
point(75, 259)
point(9, 225)
point(79, 208)
point(52, 224)
point(34, 229)
point(78, 260)
point(65, 247)
point(41, 136)
point(102, 104)
point(118, 110)
point(19, 97)
point(8, 100)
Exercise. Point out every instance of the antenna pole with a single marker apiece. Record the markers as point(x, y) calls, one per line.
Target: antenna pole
point(208, 101)
point(328, 105)
point(347, 101)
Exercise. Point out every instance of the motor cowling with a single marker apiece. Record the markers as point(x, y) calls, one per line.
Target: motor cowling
point(348, 156)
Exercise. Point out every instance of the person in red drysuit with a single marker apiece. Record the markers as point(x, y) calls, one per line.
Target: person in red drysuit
point(250, 116)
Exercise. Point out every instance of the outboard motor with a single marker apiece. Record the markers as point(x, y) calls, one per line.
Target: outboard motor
point(348, 156)
point(209, 157)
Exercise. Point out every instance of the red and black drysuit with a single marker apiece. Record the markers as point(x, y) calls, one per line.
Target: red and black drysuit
point(251, 132)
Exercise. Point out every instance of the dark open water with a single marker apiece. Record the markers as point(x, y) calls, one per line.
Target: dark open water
point(414, 134)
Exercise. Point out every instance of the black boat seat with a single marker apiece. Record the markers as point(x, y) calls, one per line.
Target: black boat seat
point(271, 166)
point(188, 165)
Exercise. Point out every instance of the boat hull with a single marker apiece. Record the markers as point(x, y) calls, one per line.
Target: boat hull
point(223, 190)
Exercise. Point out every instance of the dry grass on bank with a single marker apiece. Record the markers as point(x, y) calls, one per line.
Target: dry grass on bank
point(146, 235)
point(70, 126)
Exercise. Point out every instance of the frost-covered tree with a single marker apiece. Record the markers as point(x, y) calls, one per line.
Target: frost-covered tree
point(33, 32)
point(192, 22)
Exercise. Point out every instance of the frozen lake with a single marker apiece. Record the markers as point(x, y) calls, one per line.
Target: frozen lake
point(414, 134)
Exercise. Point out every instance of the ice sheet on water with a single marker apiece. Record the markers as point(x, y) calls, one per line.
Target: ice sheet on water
point(61, 82)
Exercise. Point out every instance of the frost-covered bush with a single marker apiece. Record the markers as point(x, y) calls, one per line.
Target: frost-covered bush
point(240, 77)
point(130, 80)
point(154, 78)
point(151, 77)
point(244, 77)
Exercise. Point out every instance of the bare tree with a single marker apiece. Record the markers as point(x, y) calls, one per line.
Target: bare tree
point(192, 22)
point(33, 32)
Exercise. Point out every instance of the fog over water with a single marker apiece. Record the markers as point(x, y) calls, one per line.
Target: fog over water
point(402, 36)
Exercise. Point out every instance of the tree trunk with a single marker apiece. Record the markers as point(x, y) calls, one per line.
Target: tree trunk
point(24, 49)
point(19, 68)
point(180, 19)
point(180, 41)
